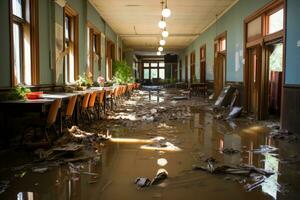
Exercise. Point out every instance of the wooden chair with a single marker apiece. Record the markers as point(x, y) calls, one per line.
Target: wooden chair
point(84, 106)
point(68, 116)
point(91, 106)
point(45, 124)
point(100, 107)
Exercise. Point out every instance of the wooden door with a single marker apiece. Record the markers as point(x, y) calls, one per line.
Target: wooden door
point(219, 71)
point(186, 69)
point(202, 72)
point(254, 79)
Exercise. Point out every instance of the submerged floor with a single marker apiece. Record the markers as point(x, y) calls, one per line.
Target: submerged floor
point(190, 126)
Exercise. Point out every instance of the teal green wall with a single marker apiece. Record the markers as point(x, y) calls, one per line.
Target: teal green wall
point(4, 45)
point(233, 23)
point(50, 14)
point(292, 37)
point(44, 42)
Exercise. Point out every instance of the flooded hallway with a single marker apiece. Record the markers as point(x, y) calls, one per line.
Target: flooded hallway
point(160, 99)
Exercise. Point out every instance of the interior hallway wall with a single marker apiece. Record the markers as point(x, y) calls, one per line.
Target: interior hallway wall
point(232, 22)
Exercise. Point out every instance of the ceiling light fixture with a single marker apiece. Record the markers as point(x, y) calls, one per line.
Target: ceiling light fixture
point(166, 12)
point(162, 24)
point(165, 33)
point(160, 48)
point(162, 42)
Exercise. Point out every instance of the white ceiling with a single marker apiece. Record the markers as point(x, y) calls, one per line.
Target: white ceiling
point(136, 20)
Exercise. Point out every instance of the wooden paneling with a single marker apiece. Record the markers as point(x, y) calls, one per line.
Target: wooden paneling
point(291, 108)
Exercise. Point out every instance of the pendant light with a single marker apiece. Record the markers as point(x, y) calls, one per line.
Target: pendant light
point(162, 42)
point(166, 12)
point(165, 33)
point(160, 48)
point(162, 24)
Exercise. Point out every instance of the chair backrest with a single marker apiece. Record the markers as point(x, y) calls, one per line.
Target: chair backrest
point(101, 96)
point(85, 101)
point(51, 118)
point(71, 106)
point(92, 99)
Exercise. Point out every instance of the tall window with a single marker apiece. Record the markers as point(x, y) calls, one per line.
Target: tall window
point(94, 53)
point(24, 42)
point(70, 45)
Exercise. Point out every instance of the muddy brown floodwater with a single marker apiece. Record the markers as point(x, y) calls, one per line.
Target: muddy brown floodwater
point(194, 134)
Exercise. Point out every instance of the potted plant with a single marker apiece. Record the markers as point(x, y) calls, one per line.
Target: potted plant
point(19, 93)
point(84, 81)
point(122, 72)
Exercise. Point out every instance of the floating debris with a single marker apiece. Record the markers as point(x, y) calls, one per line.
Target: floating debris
point(3, 186)
point(264, 149)
point(230, 151)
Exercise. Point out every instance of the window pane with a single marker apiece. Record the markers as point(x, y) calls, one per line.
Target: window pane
point(223, 45)
point(17, 53)
point(154, 64)
point(154, 73)
point(162, 73)
point(146, 64)
point(276, 58)
point(17, 8)
point(276, 22)
point(254, 28)
point(146, 73)
point(67, 28)
point(161, 64)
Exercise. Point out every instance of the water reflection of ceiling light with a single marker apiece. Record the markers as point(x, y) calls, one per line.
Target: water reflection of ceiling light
point(158, 53)
point(162, 162)
point(160, 48)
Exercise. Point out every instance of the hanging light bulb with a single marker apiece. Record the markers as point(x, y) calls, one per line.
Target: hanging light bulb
point(165, 33)
point(162, 42)
point(160, 48)
point(158, 53)
point(162, 24)
point(166, 12)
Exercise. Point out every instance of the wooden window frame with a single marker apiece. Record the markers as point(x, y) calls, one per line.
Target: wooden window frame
point(72, 14)
point(265, 11)
point(150, 67)
point(34, 40)
point(94, 47)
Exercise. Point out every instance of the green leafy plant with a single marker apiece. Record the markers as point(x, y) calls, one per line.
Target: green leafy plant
point(19, 93)
point(122, 72)
point(84, 80)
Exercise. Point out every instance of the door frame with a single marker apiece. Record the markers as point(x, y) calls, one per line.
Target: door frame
point(217, 51)
point(263, 40)
point(202, 60)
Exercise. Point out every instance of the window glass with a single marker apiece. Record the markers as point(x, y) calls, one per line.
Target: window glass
point(17, 54)
point(67, 28)
point(276, 58)
point(254, 28)
point(17, 8)
point(161, 64)
point(154, 73)
point(276, 21)
point(162, 73)
point(154, 64)
point(146, 73)
point(223, 45)
point(146, 64)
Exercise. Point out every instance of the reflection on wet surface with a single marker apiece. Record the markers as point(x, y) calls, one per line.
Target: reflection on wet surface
point(135, 151)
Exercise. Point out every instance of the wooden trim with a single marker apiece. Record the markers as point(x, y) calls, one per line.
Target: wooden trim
point(296, 86)
point(254, 43)
point(68, 11)
point(34, 42)
point(12, 71)
point(269, 6)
